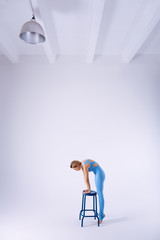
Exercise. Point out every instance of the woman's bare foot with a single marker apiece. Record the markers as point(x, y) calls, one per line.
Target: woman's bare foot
point(101, 220)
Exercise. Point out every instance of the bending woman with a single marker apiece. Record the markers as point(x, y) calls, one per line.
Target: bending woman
point(87, 166)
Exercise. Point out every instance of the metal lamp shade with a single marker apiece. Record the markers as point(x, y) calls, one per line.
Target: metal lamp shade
point(32, 32)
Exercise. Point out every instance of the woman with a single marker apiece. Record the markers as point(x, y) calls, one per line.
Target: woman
point(89, 165)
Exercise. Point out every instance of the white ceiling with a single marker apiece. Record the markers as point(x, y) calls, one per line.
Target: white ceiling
point(83, 27)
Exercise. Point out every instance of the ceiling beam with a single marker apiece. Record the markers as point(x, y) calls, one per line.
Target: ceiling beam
point(7, 47)
point(50, 45)
point(96, 19)
point(143, 28)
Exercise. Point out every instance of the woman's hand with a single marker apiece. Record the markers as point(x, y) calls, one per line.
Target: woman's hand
point(86, 191)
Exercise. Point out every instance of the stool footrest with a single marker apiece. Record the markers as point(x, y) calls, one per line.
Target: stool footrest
point(88, 215)
point(88, 210)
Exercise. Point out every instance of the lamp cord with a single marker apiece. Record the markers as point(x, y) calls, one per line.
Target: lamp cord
point(32, 9)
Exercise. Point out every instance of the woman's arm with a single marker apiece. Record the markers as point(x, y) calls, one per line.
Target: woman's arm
point(86, 178)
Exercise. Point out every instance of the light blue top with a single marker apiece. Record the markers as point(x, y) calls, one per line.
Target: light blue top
point(91, 168)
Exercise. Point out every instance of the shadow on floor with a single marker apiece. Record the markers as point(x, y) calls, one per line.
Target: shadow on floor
point(115, 220)
point(107, 221)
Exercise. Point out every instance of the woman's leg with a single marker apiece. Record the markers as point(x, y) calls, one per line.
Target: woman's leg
point(99, 181)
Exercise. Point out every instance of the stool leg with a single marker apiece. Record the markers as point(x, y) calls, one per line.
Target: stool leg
point(84, 203)
point(94, 206)
point(81, 208)
point(93, 202)
point(98, 221)
point(82, 222)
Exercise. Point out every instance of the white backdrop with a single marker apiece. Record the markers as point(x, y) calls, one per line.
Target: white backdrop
point(52, 114)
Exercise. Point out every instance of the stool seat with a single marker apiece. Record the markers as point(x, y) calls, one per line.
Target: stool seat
point(91, 193)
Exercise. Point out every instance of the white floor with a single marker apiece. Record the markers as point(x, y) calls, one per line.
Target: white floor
point(31, 224)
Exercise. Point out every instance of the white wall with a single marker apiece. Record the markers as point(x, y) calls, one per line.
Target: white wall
point(52, 114)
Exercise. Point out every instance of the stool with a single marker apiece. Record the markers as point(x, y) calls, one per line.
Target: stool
point(83, 210)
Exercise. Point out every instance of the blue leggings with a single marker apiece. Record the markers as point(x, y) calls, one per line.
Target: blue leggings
point(99, 181)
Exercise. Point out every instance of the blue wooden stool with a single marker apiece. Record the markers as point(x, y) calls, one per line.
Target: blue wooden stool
point(83, 210)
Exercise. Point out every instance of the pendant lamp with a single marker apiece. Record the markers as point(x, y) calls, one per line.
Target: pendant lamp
point(32, 32)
